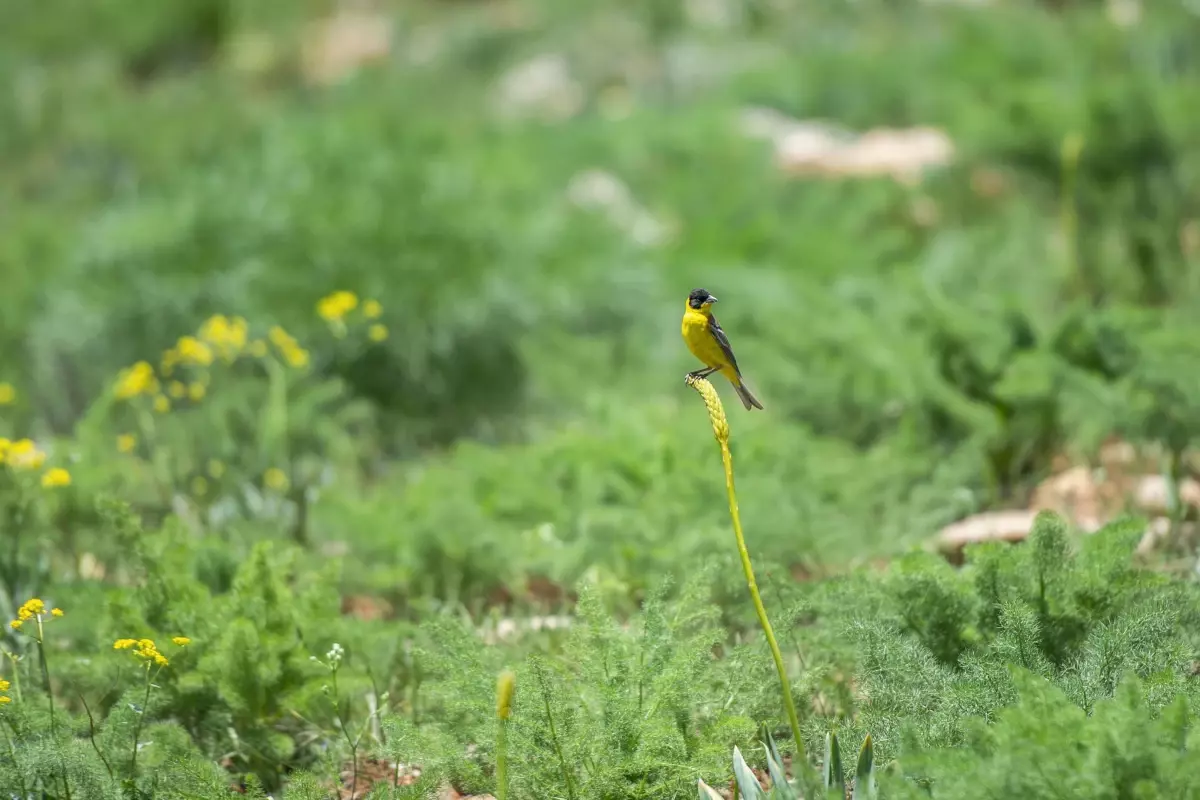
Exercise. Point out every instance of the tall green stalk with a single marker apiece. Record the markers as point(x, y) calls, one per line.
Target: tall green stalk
point(720, 425)
point(505, 684)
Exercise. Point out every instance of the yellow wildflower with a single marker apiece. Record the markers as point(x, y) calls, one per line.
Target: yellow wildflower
point(177, 389)
point(144, 649)
point(126, 442)
point(182, 641)
point(138, 379)
point(191, 350)
point(288, 347)
point(215, 328)
point(276, 479)
point(336, 306)
point(35, 605)
point(55, 477)
point(30, 609)
point(4, 685)
point(377, 332)
point(148, 652)
point(227, 335)
point(24, 454)
point(5, 699)
point(296, 357)
point(8, 395)
point(505, 684)
point(279, 337)
point(56, 612)
point(161, 404)
point(372, 309)
point(196, 392)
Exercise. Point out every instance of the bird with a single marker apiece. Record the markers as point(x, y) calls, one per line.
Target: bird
point(708, 342)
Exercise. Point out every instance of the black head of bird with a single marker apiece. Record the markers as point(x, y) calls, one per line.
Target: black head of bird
point(700, 298)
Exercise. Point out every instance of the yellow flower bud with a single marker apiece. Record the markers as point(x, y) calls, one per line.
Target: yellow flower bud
point(506, 684)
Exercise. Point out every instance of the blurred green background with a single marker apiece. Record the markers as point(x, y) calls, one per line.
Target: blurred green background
point(531, 188)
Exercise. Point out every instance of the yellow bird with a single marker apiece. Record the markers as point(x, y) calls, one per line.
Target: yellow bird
point(708, 342)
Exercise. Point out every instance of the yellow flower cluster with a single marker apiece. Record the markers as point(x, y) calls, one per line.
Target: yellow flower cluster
point(8, 395)
point(292, 352)
point(189, 352)
point(21, 454)
point(219, 336)
point(227, 335)
point(56, 477)
point(4, 698)
point(143, 649)
point(32, 609)
point(136, 380)
point(147, 651)
point(335, 307)
point(24, 455)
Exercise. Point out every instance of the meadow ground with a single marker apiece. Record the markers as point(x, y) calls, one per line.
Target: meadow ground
point(340, 373)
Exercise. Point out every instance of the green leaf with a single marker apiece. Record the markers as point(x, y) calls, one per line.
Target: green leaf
point(773, 750)
point(747, 784)
point(779, 782)
point(832, 769)
point(864, 774)
point(706, 792)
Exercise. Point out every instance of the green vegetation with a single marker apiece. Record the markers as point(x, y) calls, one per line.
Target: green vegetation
point(328, 395)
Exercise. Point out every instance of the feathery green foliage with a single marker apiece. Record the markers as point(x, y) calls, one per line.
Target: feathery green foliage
point(527, 190)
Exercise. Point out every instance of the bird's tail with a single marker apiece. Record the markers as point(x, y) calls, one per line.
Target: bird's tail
point(745, 395)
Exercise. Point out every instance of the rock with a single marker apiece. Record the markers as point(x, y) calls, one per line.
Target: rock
point(541, 87)
point(338, 45)
point(990, 526)
point(815, 148)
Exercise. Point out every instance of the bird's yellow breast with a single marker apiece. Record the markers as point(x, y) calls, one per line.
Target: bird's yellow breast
point(700, 340)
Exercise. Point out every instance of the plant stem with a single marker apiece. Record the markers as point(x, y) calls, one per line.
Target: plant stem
point(501, 759)
point(562, 761)
point(92, 736)
point(353, 743)
point(41, 646)
point(788, 703)
point(137, 730)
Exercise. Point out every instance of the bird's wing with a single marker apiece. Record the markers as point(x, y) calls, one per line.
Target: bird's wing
point(718, 333)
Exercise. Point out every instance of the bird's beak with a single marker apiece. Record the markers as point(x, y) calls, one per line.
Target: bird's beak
point(710, 300)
